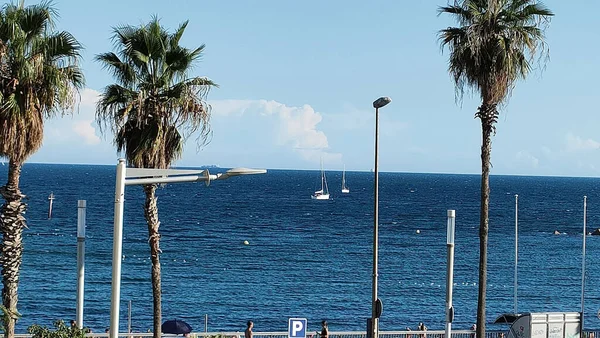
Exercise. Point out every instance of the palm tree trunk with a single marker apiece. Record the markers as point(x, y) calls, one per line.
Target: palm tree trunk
point(151, 214)
point(488, 115)
point(12, 223)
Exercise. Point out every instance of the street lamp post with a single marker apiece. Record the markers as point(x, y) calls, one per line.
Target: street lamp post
point(516, 250)
point(376, 303)
point(141, 176)
point(81, 211)
point(450, 271)
point(583, 261)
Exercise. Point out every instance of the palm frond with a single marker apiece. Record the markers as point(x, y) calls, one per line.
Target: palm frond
point(161, 106)
point(174, 39)
point(494, 44)
point(180, 60)
point(114, 106)
point(122, 35)
point(37, 19)
point(57, 47)
point(122, 71)
point(40, 75)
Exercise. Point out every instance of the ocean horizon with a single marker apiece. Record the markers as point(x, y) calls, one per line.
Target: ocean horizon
point(327, 169)
point(306, 258)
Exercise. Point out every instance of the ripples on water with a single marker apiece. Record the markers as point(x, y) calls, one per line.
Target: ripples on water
point(305, 258)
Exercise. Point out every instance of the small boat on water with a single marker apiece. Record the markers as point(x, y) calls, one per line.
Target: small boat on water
point(323, 193)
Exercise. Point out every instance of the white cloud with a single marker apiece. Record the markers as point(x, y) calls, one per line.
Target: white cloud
point(86, 131)
point(88, 98)
point(292, 127)
point(575, 143)
point(245, 132)
point(525, 158)
point(84, 125)
point(78, 128)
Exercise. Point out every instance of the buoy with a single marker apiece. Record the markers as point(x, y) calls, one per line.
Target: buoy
point(246, 243)
point(418, 231)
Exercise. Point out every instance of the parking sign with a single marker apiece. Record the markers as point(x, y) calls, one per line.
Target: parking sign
point(297, 328)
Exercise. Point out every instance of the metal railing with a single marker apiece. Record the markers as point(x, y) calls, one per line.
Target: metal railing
point(332, 334)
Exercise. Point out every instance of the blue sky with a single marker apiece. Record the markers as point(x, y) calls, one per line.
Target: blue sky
point(298, 78)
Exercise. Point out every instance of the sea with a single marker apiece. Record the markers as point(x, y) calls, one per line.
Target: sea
point(258, 248)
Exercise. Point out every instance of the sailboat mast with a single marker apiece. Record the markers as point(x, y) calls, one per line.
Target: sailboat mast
point(325, 189)
point(322, 177)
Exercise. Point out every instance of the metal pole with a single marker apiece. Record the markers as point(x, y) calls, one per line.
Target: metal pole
point(117, 250)
point(206, 322)
point(81, 206)
point(450, 272)
point(374, 319)
point(516, 246)
point(129, 317)
point(583, 258)
point(51, 199)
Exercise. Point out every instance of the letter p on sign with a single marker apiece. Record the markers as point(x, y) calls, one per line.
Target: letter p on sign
point(297, 328)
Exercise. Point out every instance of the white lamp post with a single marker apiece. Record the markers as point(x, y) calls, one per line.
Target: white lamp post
point(376, 303)
point(583, 261)
point(141, 176)
point(81, 210)
point(450, 272)
point(516, 250)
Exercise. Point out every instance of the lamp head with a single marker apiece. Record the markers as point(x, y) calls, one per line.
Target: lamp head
point(381, 102)
point(240, 171)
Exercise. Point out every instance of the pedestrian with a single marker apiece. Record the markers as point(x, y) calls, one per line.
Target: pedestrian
point(248, 332)
point(422, 327)
point(324, 329)
point(73, 324)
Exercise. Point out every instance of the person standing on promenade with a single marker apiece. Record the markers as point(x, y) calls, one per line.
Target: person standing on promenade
point(248, 332)
point(324, 330)
point(422, 327)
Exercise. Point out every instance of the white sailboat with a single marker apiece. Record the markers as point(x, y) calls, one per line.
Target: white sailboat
point(345, 189)
point(322, 194)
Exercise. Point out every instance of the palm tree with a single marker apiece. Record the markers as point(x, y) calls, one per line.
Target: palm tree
point(493, 47)
point(153, 107)
point(39, 78)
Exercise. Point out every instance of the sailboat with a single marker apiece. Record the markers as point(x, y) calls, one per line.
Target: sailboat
point(322, 194)
point(345, 189)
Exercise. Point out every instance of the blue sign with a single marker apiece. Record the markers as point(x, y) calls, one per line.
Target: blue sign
point(297, 328)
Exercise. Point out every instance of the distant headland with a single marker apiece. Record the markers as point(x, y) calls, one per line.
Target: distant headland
point(210, 166)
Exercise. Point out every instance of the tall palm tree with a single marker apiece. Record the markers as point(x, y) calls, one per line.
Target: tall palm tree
point(151, 109)
point(39, 78)
point(493, 46)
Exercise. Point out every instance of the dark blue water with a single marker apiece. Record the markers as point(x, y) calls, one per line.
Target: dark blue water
point(306, 258)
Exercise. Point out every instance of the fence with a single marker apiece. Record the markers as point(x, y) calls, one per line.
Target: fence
point(332, 334)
